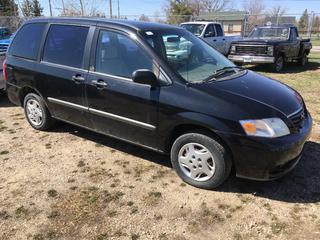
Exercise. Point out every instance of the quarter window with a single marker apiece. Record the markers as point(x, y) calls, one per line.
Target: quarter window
point(119, 55)
point(65, 45)
point(27, 41)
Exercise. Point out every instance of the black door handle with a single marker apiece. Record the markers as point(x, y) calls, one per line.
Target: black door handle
point(99, 83)
point(215, 40)
point(223, 39)
point(78, 78)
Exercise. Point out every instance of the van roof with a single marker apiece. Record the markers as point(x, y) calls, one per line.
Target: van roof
point(134, 25)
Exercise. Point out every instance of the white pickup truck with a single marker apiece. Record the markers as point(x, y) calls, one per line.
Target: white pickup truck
point(212, 33)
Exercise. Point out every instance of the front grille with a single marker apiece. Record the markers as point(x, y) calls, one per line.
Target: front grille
point(3, 48)
point(297, 120)
point(251, 50)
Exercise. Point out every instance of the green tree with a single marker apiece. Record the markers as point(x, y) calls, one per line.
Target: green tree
point(303, 22)
point(8, 8)
point(31, 8)
point(37, 9)
point(26, 8)
point(316, 25)
point(178, 12)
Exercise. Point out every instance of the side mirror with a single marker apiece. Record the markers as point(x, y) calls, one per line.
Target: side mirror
point(146, 77)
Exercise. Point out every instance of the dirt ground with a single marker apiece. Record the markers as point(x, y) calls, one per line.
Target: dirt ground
point(70, 183)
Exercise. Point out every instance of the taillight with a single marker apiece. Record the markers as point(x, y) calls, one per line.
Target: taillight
point(4, 70)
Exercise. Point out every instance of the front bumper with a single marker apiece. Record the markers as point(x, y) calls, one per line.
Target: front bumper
point(267, 159)
point(251, 59)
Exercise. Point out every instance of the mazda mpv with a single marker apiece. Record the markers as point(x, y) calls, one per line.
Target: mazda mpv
point(160, 87)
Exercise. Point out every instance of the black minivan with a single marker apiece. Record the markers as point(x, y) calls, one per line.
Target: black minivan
point(160, 87)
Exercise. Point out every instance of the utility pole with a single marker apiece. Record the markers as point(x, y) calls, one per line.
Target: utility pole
point(50, 7)
point(110, 8)
point(63, 8)
point(118, 9)
point(82, 10)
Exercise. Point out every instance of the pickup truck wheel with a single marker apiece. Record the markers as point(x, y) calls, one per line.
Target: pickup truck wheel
point(278, 64)
point(303, 61)
point(37, 113)
point(200, 160)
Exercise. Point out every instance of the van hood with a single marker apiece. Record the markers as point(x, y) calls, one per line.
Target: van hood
point(253, 90)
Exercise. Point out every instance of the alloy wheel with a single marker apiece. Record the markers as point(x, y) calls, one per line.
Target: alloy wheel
point(34, 112)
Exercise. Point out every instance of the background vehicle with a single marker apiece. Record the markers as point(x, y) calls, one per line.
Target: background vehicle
point(121, 78)
point(212, 33)
point(275, 45)
point(5, 39)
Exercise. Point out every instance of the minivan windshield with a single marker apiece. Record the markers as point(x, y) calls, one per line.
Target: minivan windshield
point(188, 56)
point(281, 33)
point(195, 29)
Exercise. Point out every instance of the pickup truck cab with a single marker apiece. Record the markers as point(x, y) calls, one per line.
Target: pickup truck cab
point(274, 45)
point(212, 33)
point(128, 80)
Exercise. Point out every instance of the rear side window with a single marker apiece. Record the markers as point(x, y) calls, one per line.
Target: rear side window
point(27, 41)
point(219, 30)
point(65, 45)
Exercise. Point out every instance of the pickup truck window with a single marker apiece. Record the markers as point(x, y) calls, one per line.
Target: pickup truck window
point(294, 34)
point(119, 55)
point(281, 33)
point(219, 30)
point(65, 45)
point(187, 55)
point(195, 29)
point(210, 31)
point(27, 41)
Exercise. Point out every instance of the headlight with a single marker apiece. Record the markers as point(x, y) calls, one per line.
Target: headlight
point(270, 50)
point(269, 127)
point(233, 49)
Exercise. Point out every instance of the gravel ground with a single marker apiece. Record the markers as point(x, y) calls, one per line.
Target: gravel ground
point(70, 183)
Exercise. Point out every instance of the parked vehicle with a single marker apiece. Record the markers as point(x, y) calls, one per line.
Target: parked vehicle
point(275, 45)
point(212, 33)
point(5, 38)
point(116, 78)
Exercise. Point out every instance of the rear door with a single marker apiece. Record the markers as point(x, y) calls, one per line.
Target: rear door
point(118, 106)
point(221, 39)
point(62, 72)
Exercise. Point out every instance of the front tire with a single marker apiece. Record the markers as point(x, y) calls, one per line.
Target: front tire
point(37, 113)
point(278, 65)
point(200, 160)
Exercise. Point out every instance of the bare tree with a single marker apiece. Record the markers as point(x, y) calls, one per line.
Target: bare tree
point(277, 11)
point(144, 18)
point(82, 8)
point(208, 5)
point(254, 9)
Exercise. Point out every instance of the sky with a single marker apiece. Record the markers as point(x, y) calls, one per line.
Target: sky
point(149, 7)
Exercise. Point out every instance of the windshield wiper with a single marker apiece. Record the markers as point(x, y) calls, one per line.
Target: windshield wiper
point(222, 71)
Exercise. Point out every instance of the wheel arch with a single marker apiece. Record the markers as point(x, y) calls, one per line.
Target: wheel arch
point(24, 91)
point(184, 128)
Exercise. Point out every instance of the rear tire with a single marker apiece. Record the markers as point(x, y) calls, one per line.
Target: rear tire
point(200, 160)
point(37, 113)
point(303, 61)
